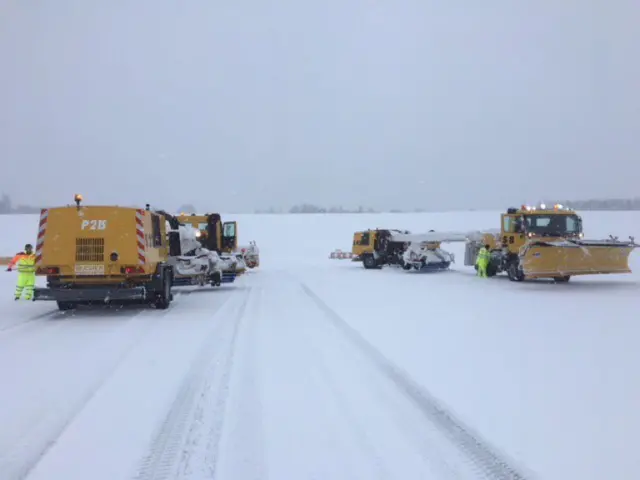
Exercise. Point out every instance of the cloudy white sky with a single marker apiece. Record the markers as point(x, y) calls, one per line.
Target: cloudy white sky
point(249, 104)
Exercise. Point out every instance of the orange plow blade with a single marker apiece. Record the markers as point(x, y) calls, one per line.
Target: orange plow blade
point(570, 258)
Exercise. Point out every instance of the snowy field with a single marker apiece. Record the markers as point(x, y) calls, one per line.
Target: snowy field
point(310, 368)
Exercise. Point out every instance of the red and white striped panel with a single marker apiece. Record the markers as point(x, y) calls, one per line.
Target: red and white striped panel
point(42, 230)
point(142, 249)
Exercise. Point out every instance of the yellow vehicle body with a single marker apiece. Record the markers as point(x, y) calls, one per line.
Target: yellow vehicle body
point(548, 243)
point(102, 253)
point(362, 243)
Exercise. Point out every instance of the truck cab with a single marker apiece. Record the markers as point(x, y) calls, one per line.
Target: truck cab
point(519, 226)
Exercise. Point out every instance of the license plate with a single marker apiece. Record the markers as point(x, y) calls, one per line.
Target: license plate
point(89, 269)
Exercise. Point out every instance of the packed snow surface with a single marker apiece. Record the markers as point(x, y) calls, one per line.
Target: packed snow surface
point(311, 368)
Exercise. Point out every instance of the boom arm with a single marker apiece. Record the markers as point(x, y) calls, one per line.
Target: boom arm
point(442, 236)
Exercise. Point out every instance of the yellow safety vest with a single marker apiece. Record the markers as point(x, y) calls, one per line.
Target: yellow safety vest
point(483, 255)
point(27, 264)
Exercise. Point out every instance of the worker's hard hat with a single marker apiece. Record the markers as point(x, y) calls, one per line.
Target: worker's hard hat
point(28, 246)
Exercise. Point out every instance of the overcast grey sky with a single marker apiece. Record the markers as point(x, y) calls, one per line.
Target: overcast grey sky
point(251, 103)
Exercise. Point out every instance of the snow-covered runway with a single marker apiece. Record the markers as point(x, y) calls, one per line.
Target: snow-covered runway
point(312, 368)
point(238, 391)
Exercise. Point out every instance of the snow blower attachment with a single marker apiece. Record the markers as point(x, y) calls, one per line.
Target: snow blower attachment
point(541, 242)
point(194, 264)
point(220, 237)
point(418, 252)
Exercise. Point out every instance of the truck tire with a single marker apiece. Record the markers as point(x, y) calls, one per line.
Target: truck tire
point(64, 306)
point(164, 297)
point(368, 262)
point(514, 273)
point(492, 269)
point(563, 279)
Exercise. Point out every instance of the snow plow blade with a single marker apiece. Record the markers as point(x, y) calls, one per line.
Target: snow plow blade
point(570, 258)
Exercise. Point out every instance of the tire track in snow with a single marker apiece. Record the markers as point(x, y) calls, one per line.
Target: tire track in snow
point(489, 463)
point(56, 314)
point(241, 448)
point(205, 388)
point(29, 322)
point(18, 462)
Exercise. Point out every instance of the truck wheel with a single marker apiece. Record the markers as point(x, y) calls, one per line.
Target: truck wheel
point(66, 306)
point(514, 273)
point(492, 269)
point(163, 298)
point(368, 261)
point(563, 279)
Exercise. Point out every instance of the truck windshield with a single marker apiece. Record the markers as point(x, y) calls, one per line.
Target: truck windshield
point(552, 224)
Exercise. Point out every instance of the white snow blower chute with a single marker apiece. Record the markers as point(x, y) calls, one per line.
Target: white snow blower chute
point(193, 264)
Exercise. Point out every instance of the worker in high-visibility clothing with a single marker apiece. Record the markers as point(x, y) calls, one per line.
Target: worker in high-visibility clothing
point(25, 263)
point(482, 261)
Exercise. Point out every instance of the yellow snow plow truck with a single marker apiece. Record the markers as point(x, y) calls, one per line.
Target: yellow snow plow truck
point(103, 254)
point(547, 242)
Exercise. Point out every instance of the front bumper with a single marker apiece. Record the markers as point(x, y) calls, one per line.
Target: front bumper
point(90, 294)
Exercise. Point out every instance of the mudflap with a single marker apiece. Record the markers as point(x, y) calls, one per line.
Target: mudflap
point(548, 260)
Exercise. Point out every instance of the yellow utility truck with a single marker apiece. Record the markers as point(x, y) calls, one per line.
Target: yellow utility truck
point(420, 252)
point(547, 242)
point(103, 254)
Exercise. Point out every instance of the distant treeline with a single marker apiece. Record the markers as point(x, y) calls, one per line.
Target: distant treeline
point(608, 204)
point(309, 208)
point(621, 204)
point(7, 207)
